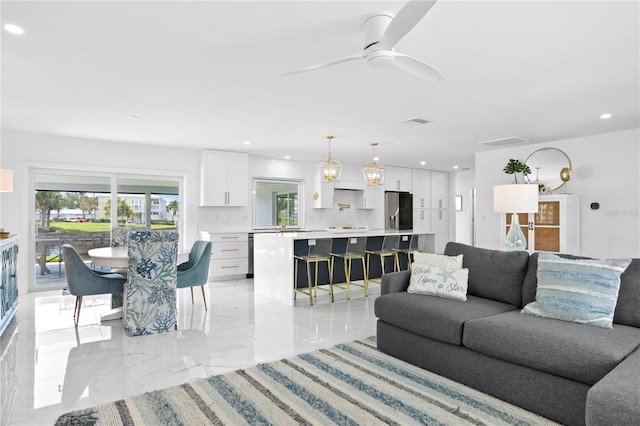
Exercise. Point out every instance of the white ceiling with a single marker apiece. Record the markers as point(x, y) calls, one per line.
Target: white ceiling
point(205, 74)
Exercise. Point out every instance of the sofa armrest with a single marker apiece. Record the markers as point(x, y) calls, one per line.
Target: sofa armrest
point(395, 282)
point(615, 399)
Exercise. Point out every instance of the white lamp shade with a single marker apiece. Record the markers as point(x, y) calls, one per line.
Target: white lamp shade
point(515, 198)
point(6, 180)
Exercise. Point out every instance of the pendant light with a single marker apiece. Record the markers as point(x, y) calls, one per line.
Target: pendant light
point(329, 170)
point(374, 172)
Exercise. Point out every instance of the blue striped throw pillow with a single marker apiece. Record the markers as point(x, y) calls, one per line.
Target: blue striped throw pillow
point(578, 290)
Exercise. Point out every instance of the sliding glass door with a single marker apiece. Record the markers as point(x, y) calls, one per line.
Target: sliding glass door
point(80, 208)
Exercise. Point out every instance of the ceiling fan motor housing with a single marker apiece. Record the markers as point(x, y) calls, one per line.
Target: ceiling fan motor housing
point(374, 27)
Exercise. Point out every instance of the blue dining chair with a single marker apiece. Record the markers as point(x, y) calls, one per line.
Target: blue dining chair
point(195, 271)
point(83, 281)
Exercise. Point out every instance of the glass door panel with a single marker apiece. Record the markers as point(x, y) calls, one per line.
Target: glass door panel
point(148, 203)
point(67, 212)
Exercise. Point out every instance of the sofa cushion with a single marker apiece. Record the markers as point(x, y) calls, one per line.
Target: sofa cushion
point(627, 310)
point(579, 290)
point(574, 351)
point(435, 317)
point(440, 260)
point(493, 274)
point(441, 282)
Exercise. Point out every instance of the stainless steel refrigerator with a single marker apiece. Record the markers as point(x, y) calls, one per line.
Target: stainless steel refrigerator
point(398, 210)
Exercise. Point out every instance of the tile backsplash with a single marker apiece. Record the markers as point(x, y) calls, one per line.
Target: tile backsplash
point(240, 219)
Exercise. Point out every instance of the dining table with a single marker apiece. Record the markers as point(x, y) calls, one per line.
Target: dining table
point(111, 257)
point(117, 258)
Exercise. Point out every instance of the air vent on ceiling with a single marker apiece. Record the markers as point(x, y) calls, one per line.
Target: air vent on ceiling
point(513, 140)
point(416, 121)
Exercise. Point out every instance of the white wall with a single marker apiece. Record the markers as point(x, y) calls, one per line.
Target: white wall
point(605, 170)
point(465, 183)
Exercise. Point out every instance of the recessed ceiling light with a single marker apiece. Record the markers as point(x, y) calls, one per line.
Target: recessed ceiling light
point(422, 163)
point(247, 142)
point(13, 29)
point(605, 116)
point(286, 157)
point(455, 167)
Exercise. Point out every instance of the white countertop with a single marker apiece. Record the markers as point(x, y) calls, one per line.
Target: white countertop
point(341, 234)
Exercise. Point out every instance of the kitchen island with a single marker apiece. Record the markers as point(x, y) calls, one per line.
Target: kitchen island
point(274, 257)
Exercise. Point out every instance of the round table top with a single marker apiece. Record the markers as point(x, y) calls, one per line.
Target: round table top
point(115, 257)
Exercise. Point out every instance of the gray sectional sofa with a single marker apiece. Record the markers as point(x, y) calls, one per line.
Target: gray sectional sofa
point(568, 372)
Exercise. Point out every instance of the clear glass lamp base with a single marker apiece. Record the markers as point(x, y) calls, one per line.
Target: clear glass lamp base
point(515, 237)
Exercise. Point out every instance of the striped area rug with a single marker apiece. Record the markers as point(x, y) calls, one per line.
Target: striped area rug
point(348, 384)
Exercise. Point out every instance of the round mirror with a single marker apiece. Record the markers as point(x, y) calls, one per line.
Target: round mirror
point(550, 169)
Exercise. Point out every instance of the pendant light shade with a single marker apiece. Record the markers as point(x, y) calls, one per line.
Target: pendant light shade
point(373, 172)
point(329, 169)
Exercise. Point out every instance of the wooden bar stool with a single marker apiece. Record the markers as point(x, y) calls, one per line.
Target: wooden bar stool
point(319, 251)
point(355, 249)
point(389, 248)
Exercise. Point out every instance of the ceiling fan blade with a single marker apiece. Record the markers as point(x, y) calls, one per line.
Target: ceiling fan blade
point(405, 20)
point(358, 55)
point(416, 67)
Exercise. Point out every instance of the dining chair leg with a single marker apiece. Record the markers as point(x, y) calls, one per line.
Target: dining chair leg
point(76, 310)
point(191, 295)
point(204, 298)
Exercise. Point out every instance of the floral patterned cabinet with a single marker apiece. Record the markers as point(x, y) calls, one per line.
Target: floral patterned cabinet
point(9, 281)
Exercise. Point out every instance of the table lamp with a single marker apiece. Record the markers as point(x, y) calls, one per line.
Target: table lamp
point(6, 180)
point(515, 199)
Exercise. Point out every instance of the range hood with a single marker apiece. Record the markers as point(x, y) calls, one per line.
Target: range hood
point(349, 185)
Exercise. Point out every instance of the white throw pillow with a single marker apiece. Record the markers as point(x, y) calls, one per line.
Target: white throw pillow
point(441, 282)
point(441, 260)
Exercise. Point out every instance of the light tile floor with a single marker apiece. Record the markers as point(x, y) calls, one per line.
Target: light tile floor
point(49, 367)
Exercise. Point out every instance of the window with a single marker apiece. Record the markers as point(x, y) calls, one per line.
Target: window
point(277, 203)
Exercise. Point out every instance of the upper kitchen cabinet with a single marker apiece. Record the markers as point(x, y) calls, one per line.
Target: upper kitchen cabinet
point(439, 190)
point(224, 179)
point(421, 188)
point(323, 197)
point(365, 199)
point(397, 179)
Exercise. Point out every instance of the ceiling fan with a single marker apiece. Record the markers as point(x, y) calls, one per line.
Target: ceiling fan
point(382, 31)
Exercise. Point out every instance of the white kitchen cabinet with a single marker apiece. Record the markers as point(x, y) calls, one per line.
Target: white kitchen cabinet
point(365, 199)
point(397, 179)
point(421, 220)
point(324, 195)
point(421, 188)
point(229, 255)
point(439, 190)
point(224, 179)
point(440, 226)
